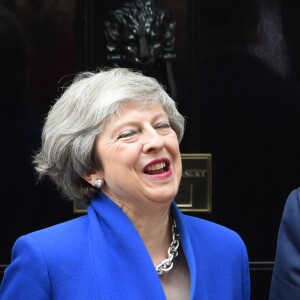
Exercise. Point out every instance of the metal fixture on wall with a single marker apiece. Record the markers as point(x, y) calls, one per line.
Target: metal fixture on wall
point(141, 36)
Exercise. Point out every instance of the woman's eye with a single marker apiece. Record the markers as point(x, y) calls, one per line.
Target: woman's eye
point(162, 125)
point(127, 133)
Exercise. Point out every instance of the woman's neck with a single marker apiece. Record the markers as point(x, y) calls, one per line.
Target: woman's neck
point(155, 229)
point(157, 236)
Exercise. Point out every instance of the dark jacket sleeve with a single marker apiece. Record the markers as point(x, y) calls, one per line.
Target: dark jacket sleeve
point(286, 274)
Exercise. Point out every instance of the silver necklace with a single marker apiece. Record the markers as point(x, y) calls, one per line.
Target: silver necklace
point(167, 264)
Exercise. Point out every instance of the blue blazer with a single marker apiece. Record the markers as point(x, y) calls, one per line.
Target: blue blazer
point(101, 256)
point(285, 283)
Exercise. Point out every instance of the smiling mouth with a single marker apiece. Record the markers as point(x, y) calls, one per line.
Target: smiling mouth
point(158, 168)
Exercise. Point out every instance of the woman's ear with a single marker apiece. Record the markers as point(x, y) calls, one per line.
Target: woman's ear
point(95, 179)
point(87, 178)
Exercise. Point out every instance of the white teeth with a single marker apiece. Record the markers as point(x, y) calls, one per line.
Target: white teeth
point(156, 166)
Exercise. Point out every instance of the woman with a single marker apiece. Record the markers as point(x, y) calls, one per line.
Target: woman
point(285, 284)
point(112, 141)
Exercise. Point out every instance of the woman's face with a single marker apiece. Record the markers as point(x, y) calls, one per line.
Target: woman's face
point(140, 157)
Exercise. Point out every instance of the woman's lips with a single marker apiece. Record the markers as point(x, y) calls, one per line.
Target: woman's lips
point(157, 167)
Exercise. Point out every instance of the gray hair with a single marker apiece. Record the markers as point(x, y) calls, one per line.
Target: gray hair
point(78, 116)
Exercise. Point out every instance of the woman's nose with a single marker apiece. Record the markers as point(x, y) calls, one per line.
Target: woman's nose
point(153, 141)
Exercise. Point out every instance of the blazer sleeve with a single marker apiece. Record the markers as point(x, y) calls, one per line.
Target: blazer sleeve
point(27, 276)
point(285, 282)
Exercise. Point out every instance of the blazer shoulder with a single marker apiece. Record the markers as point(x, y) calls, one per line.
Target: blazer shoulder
point(291, 213)
point(293, 200)
point(62, 235)
point(285, 282)
point(44, 254)
point(212, 231)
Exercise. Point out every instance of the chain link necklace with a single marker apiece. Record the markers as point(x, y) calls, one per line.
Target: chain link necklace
point(167, 264)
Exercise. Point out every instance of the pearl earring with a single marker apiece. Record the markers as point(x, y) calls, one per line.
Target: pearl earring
point(98, 183)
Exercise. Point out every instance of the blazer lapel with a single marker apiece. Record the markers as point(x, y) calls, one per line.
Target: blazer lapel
point(123, 266)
